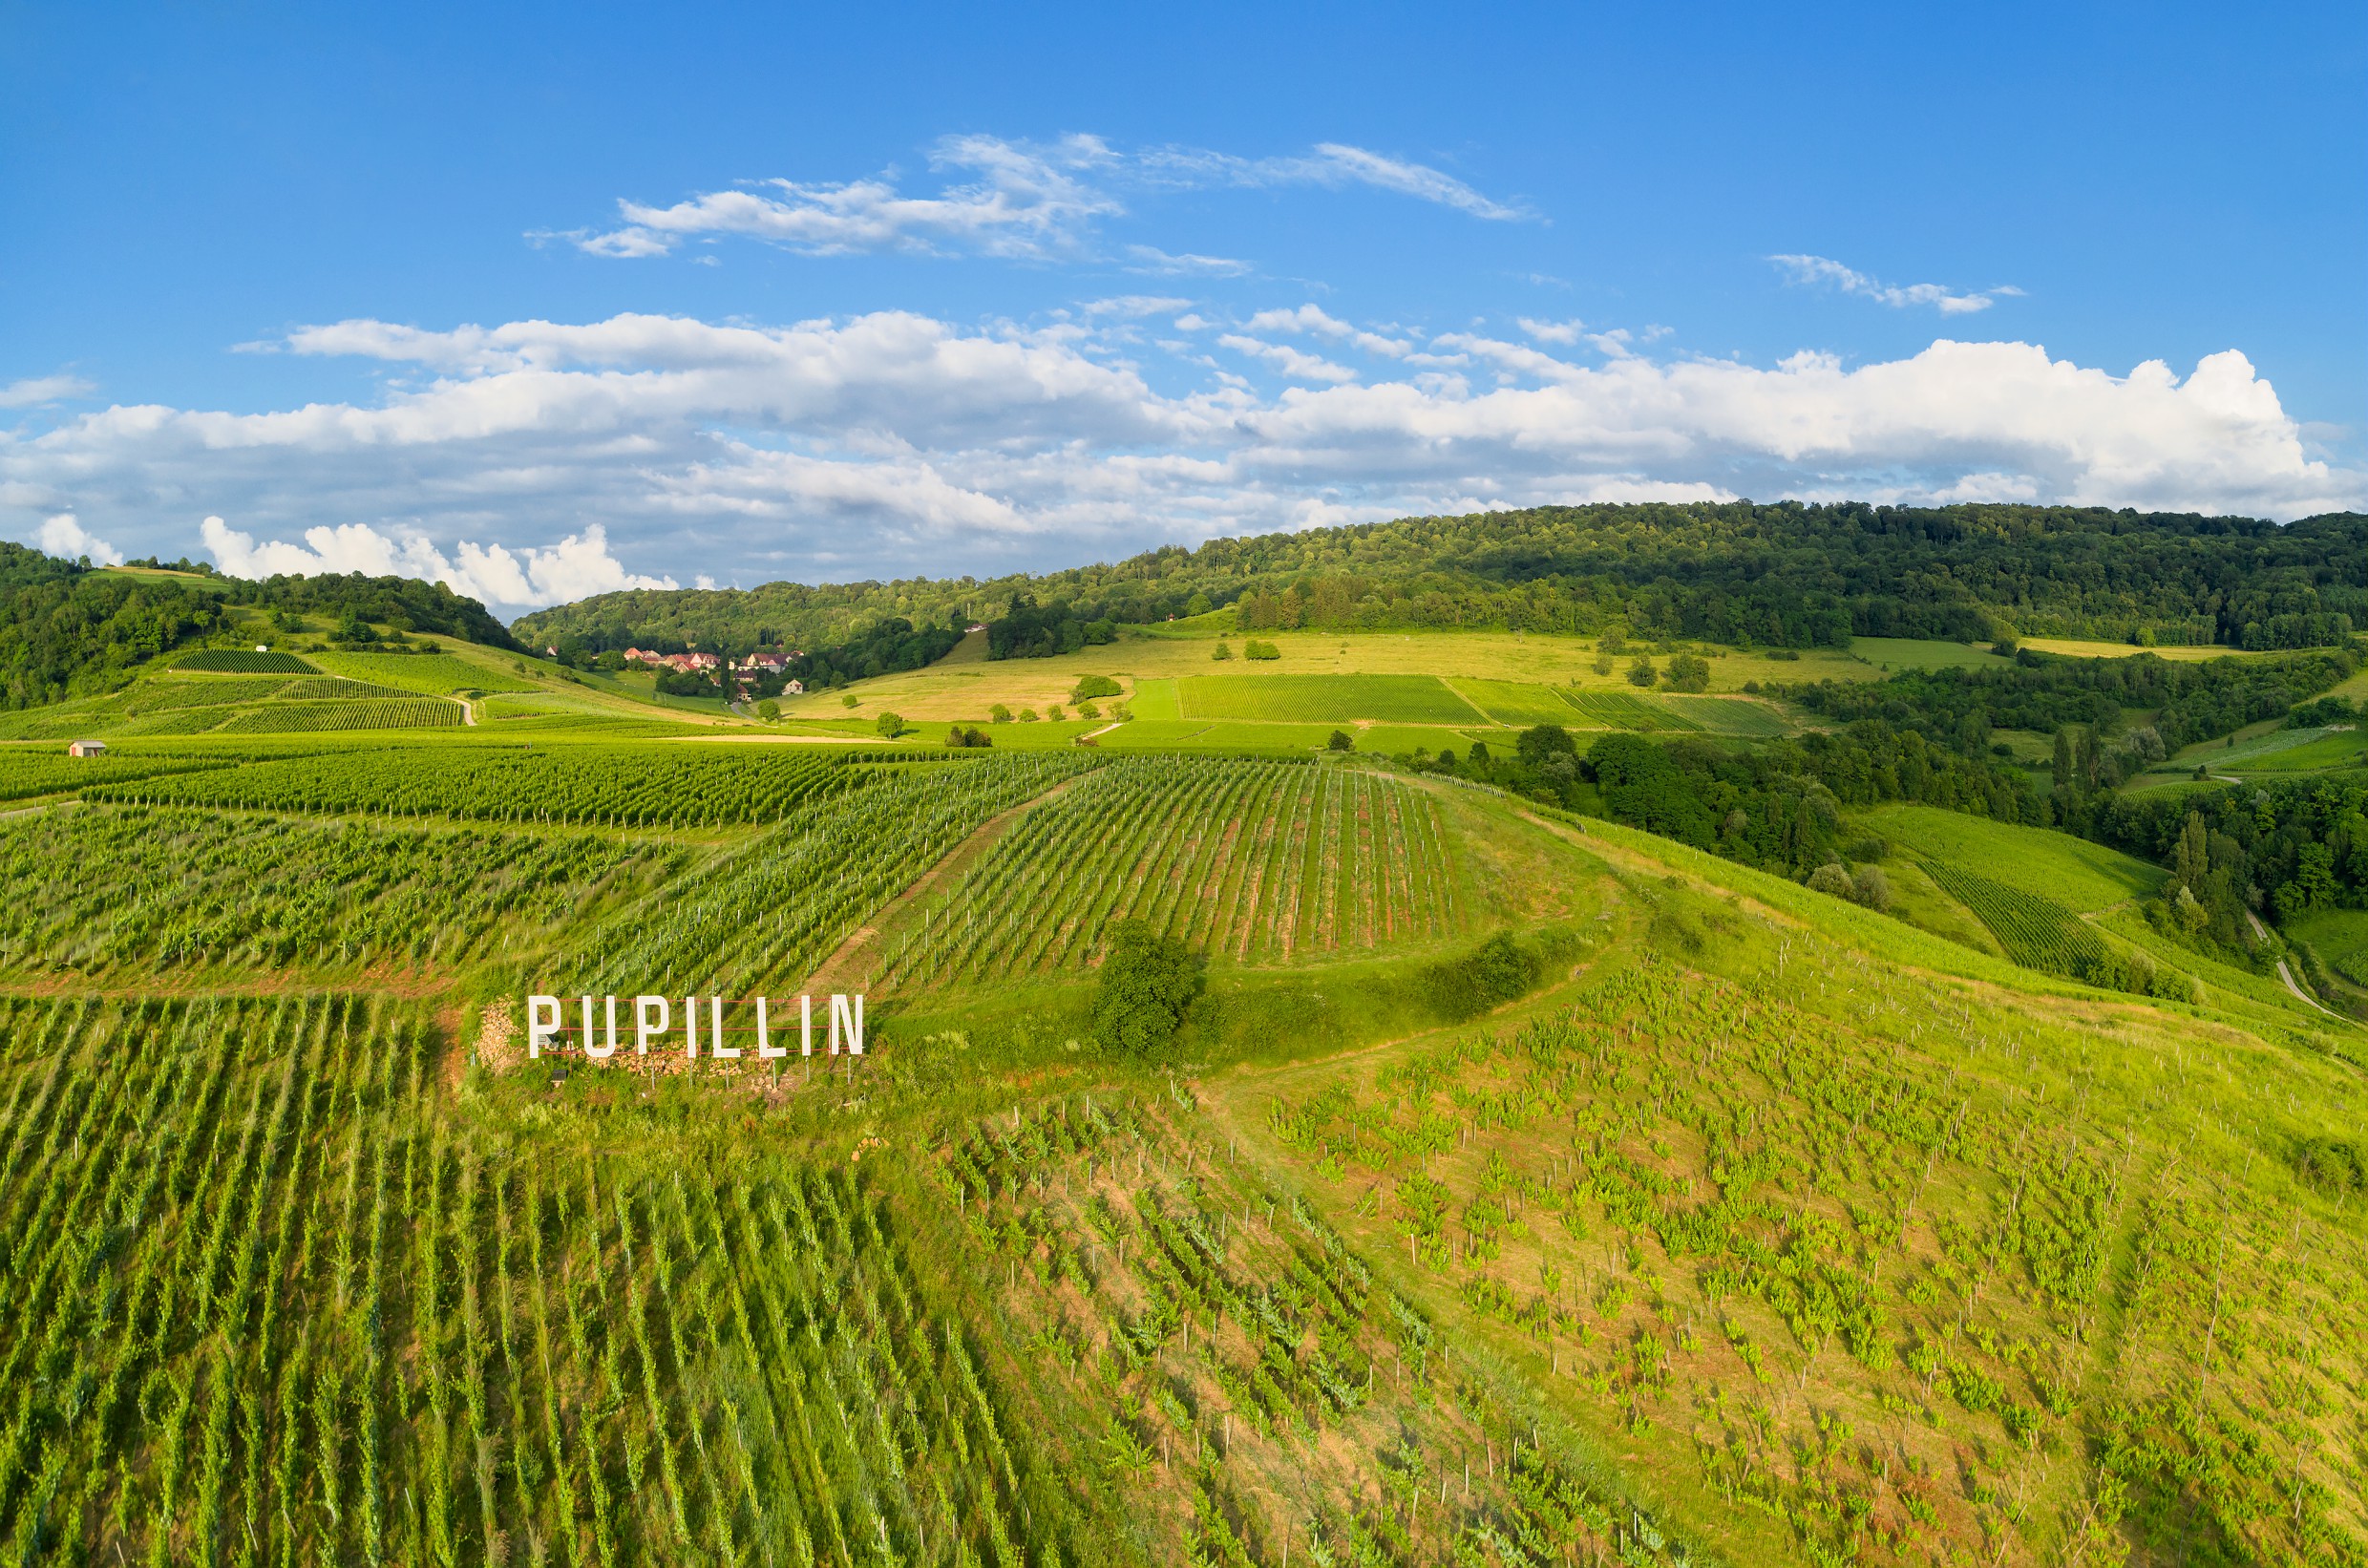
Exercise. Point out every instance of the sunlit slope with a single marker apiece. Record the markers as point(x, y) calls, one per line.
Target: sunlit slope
point(1761, 1228)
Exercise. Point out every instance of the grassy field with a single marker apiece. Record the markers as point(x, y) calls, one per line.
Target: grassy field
point(1316, 699)
point(967, 689)
point(1896, 653)
point(2075, 649)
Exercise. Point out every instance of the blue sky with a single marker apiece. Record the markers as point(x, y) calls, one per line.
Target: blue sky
point(564, 298)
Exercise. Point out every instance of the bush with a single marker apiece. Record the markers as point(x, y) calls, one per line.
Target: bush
point(1339, 742)
point(958, 737)
point(1640, 671)
point(1255, 649)
point(1148, 981)
point(769, 709)
point(1222, 650)
point(1027, 716)
point(1095, 686)
point(1870, 887)
point(1000, 713)
point(1087, 711)
point(1831, 877)
point(891, 725)
point(849, 700)
point(2331, 1165)
point(1688, 672)
point(1498, 972)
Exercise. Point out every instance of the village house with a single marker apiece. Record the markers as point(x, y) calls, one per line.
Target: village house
point(86, 747)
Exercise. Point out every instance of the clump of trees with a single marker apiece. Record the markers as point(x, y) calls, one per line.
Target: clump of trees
point(1148, 982)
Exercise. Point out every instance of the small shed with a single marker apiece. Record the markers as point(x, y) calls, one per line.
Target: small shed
point(86, 747)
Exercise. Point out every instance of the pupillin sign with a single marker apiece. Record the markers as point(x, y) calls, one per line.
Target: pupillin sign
point(653, 1019)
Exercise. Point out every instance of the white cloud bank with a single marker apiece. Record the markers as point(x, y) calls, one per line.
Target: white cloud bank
point(893, 444)
point(576, 567)
point(1023, 200)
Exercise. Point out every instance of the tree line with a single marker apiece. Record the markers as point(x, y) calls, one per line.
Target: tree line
point(1781, 575)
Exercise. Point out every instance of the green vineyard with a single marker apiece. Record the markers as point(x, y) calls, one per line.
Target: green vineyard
point(346, 713)
point(271, 1303)
point(1262, 863)
point(2038, 933)
point(173, 888)
point(231, 661)
point(637, 785)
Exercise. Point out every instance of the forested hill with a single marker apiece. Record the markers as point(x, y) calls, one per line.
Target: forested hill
point(69, 630)
point(1781, 575)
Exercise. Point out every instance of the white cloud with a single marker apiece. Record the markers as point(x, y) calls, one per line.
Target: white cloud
point(576, 567)
point(1290, 361)
point(886, 444)
point(1332, 163)
point(37, 390)
point(1153, 262)
point(1026, 200)
point(1806, 270)
point(63, 537)
point(1129, 306)
point(1309, 318)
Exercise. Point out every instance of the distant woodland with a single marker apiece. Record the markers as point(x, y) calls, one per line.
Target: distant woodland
point(1750, 575)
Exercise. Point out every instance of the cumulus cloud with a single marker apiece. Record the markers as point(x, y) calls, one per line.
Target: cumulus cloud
point(33, 390)
point(1816, 270)
point(1021, 200)
point(65, 538)
point(576, 567)
point(1290, 361)
point(889, 443)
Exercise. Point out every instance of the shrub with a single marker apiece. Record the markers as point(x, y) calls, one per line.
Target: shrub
point(1148, 981)
point(1688, 672)
point(1499, 970)
point(1087, 711)
point(1027, 716)
point(2331, 1165)
point(1255, 649)
point(1339, 742)
point(1831, 877)
point(769, 709)
point(1640, 671)
point(891, 725)
point(1870, 887)
point(849, 700)
point(1222, 650)
point(1095, 686)
point(1000, 713)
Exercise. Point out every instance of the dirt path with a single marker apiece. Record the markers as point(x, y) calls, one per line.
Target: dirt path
point(2287, 975)
point(836, 969)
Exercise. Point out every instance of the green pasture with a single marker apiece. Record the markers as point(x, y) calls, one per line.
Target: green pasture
point(1893, 654)
point(1311, 699)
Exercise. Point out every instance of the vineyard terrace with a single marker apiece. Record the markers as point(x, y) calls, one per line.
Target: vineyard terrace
point(653, 1017)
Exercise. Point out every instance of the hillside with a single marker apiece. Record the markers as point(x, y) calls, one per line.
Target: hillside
point(1782, 575)
point(1519, 1186)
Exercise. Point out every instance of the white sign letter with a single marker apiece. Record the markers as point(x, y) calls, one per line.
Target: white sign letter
point(600, 1053)
point(538, 1029)
point(765, 1050)
point(805, 1023)
point(715, 1031)
point(642, 1027)
point(853, 1023)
